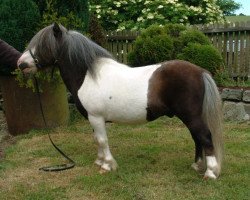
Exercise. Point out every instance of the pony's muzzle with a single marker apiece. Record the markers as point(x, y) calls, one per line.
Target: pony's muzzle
point(23, 66)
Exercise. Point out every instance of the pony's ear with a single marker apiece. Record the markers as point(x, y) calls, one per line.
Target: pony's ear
point(57, 31)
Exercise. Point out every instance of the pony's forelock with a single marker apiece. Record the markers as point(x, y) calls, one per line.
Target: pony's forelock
point(44, 44)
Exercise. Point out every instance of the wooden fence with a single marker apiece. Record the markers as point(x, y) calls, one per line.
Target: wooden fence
point(232, 41)
point(121, 43)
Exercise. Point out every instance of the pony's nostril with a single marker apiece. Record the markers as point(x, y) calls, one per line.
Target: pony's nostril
point(23, 65)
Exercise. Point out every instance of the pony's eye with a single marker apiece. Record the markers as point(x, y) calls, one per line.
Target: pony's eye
point(36, 61)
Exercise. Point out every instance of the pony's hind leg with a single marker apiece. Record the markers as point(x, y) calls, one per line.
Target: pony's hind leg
point(105, 159)
point(199, 164)
point(203, 140)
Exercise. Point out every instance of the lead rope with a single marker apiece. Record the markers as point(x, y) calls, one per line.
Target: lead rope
point(61, 167)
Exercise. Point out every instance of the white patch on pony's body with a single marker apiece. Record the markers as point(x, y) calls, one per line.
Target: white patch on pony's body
point(118, 92)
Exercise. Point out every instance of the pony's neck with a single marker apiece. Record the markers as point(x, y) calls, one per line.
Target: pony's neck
point(72, 76)
point(77, 55)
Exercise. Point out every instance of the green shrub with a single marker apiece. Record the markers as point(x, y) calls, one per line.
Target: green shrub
point(151, 50)
point(193, 36)
point(223, 78)
point(152, 31)
point(73, 14)
point(205, 56)
point(174, 30)
point(157, 44)
point(97, 33)
point(18, 22)
point(51, 13)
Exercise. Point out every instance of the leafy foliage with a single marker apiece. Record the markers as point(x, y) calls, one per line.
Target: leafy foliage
point(97, 33)
point(193, 36)
point(157, 44)
point(228, 6)
point(205, 56)
point(42, 76)
point(18, 22)
point(51, 13)
point(72, 14)
point(151, 47)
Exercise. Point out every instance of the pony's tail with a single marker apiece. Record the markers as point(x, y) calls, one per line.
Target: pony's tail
point(212, 115)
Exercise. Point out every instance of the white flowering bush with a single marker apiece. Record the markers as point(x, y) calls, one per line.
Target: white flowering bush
point(137, 14)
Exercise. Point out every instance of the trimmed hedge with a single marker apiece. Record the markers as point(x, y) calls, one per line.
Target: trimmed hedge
point(151, 47)
point(205, 56)
point(193, 36)
point(158, 44)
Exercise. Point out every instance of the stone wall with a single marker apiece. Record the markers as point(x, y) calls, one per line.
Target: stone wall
point(236, 104)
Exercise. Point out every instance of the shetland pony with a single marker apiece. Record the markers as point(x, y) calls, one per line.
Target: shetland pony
point(105, 90)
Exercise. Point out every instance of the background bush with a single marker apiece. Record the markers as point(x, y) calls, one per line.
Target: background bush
point(205, 56)
point(152, 46)
point(18, 22)
point(157, 44)
point(97, 33)
point(193, 36)
point(73, 14)
point(138, 14)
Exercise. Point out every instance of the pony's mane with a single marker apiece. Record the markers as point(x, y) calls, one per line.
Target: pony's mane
point(78, 49)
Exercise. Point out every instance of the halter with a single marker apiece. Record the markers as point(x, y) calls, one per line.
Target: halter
point(36, 61)
point(39, 66)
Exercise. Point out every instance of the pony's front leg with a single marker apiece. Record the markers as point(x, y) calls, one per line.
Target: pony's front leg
point(105, 158)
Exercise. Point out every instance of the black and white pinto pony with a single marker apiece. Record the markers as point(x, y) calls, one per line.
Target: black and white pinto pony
point(105, 90)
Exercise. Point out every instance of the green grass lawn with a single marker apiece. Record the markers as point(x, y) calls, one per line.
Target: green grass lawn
point(154, 163)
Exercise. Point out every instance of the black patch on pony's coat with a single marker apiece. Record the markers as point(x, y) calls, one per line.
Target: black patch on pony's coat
point(175, 88)
point(73, 78)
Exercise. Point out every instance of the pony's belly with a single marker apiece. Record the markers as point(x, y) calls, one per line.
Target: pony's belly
point(126, 115)
point(121, 108)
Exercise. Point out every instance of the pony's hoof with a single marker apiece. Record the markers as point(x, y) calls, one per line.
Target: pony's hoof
point(198, 167)
point(103, 171)
point(110, 165)
point(99, 162)
point(209, 175)
point(195, 166)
